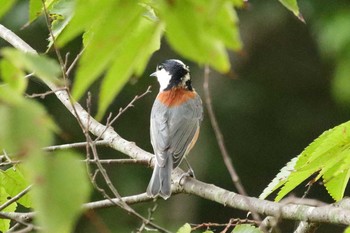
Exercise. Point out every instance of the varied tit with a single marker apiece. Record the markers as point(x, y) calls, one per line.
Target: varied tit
point(175, 120)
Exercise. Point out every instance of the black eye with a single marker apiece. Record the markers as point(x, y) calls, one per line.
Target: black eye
point(160, 67)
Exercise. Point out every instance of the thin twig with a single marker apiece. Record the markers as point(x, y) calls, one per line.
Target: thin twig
point(74, 145)
point(14, 228)
point(65, 146)
point(57, 51)
point(219, 137)
point(18, 219)
point(232, 222)
point(149, 218)
point(122, 110)
point(66, 61)
point(15, 198)
point(76, 59)
point(43, 95)
point(6, 156)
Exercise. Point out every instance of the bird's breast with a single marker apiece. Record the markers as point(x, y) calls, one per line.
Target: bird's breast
point(176, 96)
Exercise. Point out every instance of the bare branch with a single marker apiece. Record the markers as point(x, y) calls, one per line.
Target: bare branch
point(14, 40)
point(119, 161)
point(19, 218)
point(306, 227)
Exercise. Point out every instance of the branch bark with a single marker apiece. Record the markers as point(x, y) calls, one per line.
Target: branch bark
point(326, 214)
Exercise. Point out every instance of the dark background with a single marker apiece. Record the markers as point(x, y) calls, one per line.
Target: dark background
point(282, 93)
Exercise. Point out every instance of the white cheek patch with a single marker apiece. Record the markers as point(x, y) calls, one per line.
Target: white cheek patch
point(186, 78)
point(163, 78)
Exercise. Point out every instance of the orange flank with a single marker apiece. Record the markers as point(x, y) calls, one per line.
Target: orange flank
point(175, 96)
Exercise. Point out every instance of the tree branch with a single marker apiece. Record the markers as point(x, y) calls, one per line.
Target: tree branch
point(325, 214)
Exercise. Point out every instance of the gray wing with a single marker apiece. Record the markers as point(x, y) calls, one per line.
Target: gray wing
point(172, 129)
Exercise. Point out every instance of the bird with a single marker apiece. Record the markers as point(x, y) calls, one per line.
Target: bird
point(176, 116)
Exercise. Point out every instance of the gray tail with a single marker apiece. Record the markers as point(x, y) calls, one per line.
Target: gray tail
point(160, 183)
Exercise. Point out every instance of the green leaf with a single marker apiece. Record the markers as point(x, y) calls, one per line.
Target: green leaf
point(35, 8)
point(292, 5)
point(341, 82)
point(237, 3)
point(5, 6)
point(61, 12)
point(333, 35)
point(185, 229)
point(194, 33)
point(106, 40)
point(280, 179)
point(335, 181)
point(9, 96)
point(327, 156)
point(61, 186)
point(347, 230)
point(25, 128)
point(246, 228)
point(88, 14)
point(14, 182)
point(43, 67)
point(135, 51)
point(13, 76)
point(5, 223)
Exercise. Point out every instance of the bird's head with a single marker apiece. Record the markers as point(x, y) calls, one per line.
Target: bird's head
point(173, 73)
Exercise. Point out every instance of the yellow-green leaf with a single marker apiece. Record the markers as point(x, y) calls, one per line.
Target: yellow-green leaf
point(292, 5)
point(347, 230)
point(280, 179)
point(327, 157)
point(185, 229)
point(25, 128)
point(336, 183)
point(13, 77)
point(5, 6)
point(14, 182)
point(87, 14)
point(43, 67)
point(107, 37)
point(192, 30)
point(246, 228)
point(135, 51)
point(35, 8)
point(61, 186)
point(61, 13)
point(5, 223)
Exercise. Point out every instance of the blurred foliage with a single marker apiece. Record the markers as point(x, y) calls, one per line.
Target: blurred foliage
point(188, 27)
point(287, 73)
point(246, 228)
point(25, 130)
